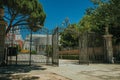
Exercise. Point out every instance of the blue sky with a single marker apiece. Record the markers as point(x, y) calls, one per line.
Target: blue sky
point(57, 10)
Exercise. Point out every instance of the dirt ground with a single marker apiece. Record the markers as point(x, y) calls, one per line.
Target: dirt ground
point(34, 72)
point(32, 76)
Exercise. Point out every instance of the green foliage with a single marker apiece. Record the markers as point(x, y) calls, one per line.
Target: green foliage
point(23, 12)
point(71, 57)
point(33, 52)
point(69, 37)
point(18, 48)
point(49, 50)
point(106, 13)
point(85, 24)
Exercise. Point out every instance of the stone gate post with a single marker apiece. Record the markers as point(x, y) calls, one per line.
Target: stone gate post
point(108, 46)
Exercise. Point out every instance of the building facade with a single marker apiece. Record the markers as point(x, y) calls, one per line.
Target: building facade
point(14, 38)
point(39, 42)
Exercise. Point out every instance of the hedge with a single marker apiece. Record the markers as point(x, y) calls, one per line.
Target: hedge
point(72, 57)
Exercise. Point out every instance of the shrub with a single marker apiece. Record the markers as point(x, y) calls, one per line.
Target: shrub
point(24, 51)
point(33, 52)
point(49, 51)
point(72, 57)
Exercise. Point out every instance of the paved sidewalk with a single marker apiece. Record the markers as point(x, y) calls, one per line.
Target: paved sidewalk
point(68, 70)
point(87, 72)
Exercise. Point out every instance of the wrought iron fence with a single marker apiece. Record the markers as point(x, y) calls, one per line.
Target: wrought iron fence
point(42, 47)
point(33, 48)
point(96, 48)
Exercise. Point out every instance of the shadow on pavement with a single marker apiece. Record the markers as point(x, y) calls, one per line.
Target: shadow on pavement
point(18, 72)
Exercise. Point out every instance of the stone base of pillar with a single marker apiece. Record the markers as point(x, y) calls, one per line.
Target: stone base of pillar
point(109, 48)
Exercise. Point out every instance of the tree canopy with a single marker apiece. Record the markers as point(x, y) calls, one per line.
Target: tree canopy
point(23, 12)
point(69, 37)
point(105, 13)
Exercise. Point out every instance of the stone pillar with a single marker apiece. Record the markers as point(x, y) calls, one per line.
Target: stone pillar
point(109, 48)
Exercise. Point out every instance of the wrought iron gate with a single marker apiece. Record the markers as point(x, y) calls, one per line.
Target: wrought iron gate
point(92, 48)
point(83, 44)
point(69, 54)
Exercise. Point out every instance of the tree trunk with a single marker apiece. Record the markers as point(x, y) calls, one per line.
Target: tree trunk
point(8, 29)
point(1, 13)
point(2, 37)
